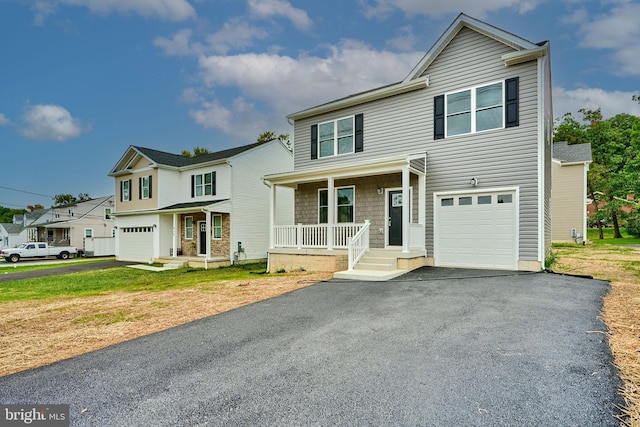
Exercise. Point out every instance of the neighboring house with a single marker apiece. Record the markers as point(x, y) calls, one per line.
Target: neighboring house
point(73, 223)
point(449, 167)
point(569, 192)
point(211, 209)
point(12, 235)
point(18, 231)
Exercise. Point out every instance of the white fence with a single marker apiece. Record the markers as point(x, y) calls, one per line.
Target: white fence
point(99, 246)
point(314, 235)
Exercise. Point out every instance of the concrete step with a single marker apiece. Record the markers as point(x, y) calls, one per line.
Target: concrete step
point(172, 265)
point(369, 275)
point(376, 266)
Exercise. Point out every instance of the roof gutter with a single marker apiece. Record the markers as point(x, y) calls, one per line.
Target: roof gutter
point(397, 89)
point(527, 55)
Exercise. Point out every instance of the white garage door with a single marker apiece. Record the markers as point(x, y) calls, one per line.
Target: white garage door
point(135, 244)
point(476, 230)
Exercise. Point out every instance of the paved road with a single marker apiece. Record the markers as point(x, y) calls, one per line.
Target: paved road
point(61, 267)
point(437, 347)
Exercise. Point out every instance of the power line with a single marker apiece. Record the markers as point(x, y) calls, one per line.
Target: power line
point(26, 192)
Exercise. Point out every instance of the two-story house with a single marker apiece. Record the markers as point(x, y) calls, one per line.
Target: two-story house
point(208, 210)
point(73, 223)
point(449, 167)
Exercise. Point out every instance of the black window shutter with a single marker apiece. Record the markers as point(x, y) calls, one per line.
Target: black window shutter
point(438, 117)
point(511, 112)
point(314, 142)
point(122, 191)
point(130, 189)
point(359, 140)
point(213, 183)
point(193, 186)
point(150, 194)
point(140, 188)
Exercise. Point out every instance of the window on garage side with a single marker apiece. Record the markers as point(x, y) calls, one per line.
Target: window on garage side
point(188, 227)
point(505, 198)
point(484, 200)
point(465, 201)
point(446, 202)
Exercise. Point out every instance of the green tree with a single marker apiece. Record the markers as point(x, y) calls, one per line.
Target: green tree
point(65, 199)
point(197, 151)
point(6, 214)
point(271, 135)
point(615, 146)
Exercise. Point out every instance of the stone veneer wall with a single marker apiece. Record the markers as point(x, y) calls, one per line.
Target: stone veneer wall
point(219, 247)
point(368, 204)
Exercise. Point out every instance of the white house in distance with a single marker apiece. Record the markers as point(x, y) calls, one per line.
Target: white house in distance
point(204, 211)
point(569, 192)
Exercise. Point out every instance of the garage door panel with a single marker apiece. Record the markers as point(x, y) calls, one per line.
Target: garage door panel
point(135, 244)
point(481, 234)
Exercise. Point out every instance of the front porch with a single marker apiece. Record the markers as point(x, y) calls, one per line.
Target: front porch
point(343, 213)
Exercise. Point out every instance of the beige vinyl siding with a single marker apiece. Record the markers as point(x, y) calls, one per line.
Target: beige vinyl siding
point(403, 124)
point(568, 201)
point(136, 204)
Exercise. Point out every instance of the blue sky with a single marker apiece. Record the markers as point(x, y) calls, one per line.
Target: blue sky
point(81, 80)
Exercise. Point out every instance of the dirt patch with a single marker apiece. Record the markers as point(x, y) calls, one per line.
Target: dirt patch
point(621, 310)
point(36, 333)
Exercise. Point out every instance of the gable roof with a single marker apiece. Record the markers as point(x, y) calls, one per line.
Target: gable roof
point(11, 228)
point(157, 157)
point(524, 50)
point(576, 153)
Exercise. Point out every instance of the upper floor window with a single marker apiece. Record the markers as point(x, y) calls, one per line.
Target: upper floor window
point(56, 213)
point(107, 213)
point(336, 137)
point(145, 187)
point(88, 232)
point(475, 110)
point(492, 106)
point(70, 211)
point(125, 190)
point(203, 184)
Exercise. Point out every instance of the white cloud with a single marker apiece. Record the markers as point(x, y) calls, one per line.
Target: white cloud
point(170, 10)
point(4, 120)
point(269, 8)
point(235, 34)
point(405, 40)
point(179, 44)
point(50, 122)
point(617, 31)
point(437, 8)
point(610, 103)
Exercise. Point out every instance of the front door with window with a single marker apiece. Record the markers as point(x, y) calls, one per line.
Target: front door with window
point(395, 218)
point(202, 238)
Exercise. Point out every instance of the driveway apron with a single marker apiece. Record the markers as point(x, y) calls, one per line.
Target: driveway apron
point(436, 347)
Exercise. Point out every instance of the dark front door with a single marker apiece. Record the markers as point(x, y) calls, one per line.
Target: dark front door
point(395, 218)
point(202, 238)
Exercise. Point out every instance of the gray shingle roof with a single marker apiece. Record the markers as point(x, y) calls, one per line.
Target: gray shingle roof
point(571, 153)
point(178, 160)
point(12, 228)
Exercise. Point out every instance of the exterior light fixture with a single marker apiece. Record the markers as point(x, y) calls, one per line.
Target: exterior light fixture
point(473, 181)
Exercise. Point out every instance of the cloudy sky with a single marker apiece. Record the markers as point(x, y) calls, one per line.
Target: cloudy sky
point(81, 80)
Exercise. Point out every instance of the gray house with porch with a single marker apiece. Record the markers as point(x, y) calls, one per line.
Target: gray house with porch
point(449, 167)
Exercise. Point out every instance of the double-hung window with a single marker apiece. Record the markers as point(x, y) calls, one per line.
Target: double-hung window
point(344, 202)
point(188, 227)
point(125, 190)
point(203, 184)
point(336, 137)
point(475, 110)
point(216, 227)
point(145, 187)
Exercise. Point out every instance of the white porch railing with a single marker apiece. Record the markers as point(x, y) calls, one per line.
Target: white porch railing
point(358, 245)
point(314, 235)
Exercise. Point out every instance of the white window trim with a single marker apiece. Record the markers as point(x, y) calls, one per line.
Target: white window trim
point(335, 137)
point(85, 232)
point(145, 188)
point(185, 228)
point(213, 227)
point(203, 185)
point(473, 110)
point(335, 195)
point(56, 213)
point(107, 216)
point(126, 197)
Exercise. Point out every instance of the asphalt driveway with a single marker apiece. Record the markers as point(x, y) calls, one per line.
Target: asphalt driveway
point(435, 347)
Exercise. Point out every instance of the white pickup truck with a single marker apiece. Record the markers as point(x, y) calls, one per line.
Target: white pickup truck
point(37, 250)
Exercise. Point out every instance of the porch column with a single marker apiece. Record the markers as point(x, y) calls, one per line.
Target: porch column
point(422, 207)
point(406, 206)
point(174, 239)
point(208, 237)
point(331, 214)
point(272, 214)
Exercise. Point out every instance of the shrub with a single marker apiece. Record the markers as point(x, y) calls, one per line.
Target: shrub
point(633, 225)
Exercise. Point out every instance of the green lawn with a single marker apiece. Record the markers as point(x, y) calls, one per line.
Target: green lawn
point(122, 279)
point(594, 237)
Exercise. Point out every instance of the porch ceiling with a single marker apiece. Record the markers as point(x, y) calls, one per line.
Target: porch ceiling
point(350, 170)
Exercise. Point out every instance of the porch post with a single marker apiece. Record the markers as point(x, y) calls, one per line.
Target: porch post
point(406, 206)
point(422, 206)
point(208, 237)
point(331, 214)
point(272, 214)
point(174, 241)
